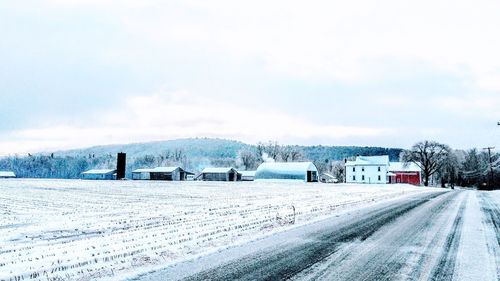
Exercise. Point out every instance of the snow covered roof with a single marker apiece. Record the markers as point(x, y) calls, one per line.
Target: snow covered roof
point(369, 160)
point(165, 169)
point(329, 176)
point(217, 170)
point(401, 167)
point(284, 170)
point(7, 174)
point(99, 171)
point(157, 170)
point(247, 173)
point(142, 170)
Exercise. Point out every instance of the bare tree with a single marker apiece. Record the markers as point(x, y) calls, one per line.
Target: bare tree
point(296, 154)
point(430, 156)
point(272, 149)
point(337, 168)
point(248, 159)
point(448, 173)
point(285, 153)
point(290, 153)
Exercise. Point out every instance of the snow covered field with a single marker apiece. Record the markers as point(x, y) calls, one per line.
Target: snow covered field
point(82, 230)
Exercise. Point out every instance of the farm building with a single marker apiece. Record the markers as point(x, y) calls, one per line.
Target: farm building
point(367, 169)
point(99, 174)
point(141, 174)
point(219, 174)
point(247, 175)
point(304, 171)
point(7, 175)
point(161, 173)
point(328, 178)
point(400, 172)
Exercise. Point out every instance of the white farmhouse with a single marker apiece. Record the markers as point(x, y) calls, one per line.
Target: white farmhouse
point(367, 169)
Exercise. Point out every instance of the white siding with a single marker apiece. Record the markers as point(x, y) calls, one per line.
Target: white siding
point(366, 174)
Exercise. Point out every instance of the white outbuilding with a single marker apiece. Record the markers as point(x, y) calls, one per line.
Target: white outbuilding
point(247, 175)
point(300, 171)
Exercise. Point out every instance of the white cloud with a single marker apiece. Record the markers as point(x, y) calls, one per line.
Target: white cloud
point(179, 115)
point(353, 56)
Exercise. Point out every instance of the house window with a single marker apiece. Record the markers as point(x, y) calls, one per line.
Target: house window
point(379, 169)
point(354, 169)
point(362, 169)
point(379, 178)
point(353, 178)
point(363, 177)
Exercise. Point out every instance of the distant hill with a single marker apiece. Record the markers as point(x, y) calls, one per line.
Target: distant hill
point(221, 148)
point(192, 148)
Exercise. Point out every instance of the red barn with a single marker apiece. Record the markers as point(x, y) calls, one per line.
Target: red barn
point(401, 173)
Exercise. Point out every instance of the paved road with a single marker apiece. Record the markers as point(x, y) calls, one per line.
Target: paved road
point(431, 236)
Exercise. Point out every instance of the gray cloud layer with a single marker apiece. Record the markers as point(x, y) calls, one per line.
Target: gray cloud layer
point(407, 72)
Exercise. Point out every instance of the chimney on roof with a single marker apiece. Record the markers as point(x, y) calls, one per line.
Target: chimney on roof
point(121, 161)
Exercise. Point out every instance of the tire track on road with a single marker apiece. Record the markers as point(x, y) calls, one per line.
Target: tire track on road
point(445, 268)
point(387, 254)
point(491, 213)
point(282, 264)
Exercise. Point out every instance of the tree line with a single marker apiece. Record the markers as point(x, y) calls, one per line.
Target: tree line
point(440, 164)
point(443, 165)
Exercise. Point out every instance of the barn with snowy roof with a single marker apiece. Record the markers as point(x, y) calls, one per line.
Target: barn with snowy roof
point(219, 174)
point(400, 172)
point(99, 174)
point(300, 171)
point(161, 173)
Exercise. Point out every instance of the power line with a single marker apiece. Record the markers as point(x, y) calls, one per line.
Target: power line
point(491, 162)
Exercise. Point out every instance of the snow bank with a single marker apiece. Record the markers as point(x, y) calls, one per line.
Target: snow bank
point(82, 230)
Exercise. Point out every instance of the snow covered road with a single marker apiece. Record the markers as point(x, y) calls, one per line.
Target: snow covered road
point(426, 236)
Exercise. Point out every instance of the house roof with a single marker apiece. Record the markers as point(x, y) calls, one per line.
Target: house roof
point(402, 167)
point(369, 160)
point(217, 170)
point(99, 171)
point(7, 174)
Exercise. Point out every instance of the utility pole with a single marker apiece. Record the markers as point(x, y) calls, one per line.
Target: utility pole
point(491, 164)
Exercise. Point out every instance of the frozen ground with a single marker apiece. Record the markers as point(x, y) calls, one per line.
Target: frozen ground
point(86, 230)
point(424, 236)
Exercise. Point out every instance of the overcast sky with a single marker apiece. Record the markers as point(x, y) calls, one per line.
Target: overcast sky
point(375, 73)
